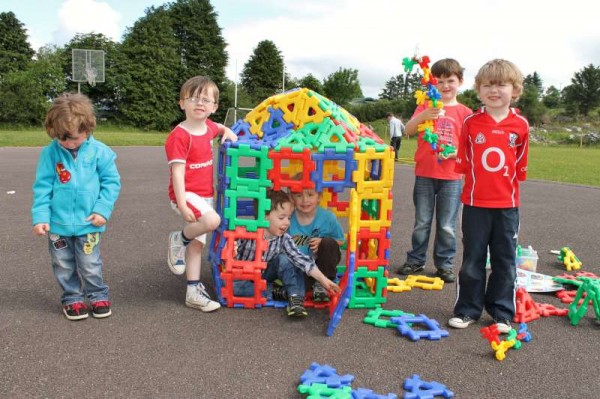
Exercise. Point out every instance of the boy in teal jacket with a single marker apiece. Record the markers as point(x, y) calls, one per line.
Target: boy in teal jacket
point(76, 186)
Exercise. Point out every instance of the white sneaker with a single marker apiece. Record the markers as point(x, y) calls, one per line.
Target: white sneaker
point(460, 321)
point(176, 257)
point(196, 297)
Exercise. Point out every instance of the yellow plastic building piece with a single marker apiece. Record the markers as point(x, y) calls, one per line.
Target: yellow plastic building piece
point(425, 282)
point(397, 285)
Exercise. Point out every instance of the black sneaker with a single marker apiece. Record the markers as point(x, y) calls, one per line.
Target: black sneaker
point(447, 275)
point(460, 321)
point(503, 326)
point(76, 311)
point(101, 309)
point(408, 268)
point(319, 293)
point(295, 307)
point(279, 293)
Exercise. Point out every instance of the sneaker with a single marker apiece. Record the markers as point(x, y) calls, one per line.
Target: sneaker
point(407, 268)
point(196, 297)
point(503, 326)
point(279, 293)
point(76, 311)
point(176, 258)
point(460, 321)
point(447, 275)
point(101, 309)
point(319, 293)
point(295, 307)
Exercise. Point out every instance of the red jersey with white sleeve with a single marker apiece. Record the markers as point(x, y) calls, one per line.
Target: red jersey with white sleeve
point(447, 127)
point(195, 151)
point(493, 157)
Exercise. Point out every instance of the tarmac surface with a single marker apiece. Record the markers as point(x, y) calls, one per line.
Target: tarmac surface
point(153, 346)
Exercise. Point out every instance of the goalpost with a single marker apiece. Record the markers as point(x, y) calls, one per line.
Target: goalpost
point(87, 66)
point(235, 114)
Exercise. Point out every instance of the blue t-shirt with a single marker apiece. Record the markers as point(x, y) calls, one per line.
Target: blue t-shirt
point(325, 224)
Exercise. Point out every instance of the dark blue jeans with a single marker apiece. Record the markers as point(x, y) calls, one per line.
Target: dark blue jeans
point(280, 267)
point(496, 229)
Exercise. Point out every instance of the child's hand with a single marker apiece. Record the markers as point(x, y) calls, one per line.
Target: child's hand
point(431, 113)
point(331, 286)
point(96, 220)
point(187, 213)
point(235, 249)
point(228, 134)
point(40, 229)
point(314, 243)
point(443, 157)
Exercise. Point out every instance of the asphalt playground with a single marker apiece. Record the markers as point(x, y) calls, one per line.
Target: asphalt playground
point(155, 347)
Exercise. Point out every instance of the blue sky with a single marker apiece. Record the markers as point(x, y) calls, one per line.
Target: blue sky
point(555, 39)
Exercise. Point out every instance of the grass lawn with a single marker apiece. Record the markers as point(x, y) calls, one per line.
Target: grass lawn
point(564, 164)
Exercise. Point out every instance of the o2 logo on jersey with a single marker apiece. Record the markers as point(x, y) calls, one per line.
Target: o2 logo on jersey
point(499, 165)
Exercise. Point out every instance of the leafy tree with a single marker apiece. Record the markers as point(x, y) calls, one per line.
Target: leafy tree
point(15, 51)
point(342, 86)
point(552, 98)
point(25, 95)
point(262, 74)
point(583, 94)
point(531, 106)
point(312, 83)
point(469, 99)
point(534, 80)
point(401, 86)
point(151, 71)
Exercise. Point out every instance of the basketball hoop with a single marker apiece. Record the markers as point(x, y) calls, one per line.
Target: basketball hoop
point(87, 66)
point(90, 73)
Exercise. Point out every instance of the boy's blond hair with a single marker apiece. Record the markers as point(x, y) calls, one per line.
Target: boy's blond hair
point(447, 67)
point(500, 71)
point(70, 112)
point(196, 85)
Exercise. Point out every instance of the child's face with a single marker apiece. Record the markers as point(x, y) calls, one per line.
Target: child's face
point(306, 202)
point(72, 141)
point(200, 105)
point(448, 87)
point(497, 95)
point(279, 219)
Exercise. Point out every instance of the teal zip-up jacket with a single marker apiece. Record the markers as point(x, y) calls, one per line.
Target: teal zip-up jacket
point(66, 191)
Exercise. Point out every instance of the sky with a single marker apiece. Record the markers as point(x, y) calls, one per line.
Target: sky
point(553, 38)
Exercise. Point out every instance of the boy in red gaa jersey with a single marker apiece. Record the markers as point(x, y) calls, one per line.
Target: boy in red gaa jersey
point(492, 155)
point(190, 157)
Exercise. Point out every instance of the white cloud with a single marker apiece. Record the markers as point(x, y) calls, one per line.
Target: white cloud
point(86, 16)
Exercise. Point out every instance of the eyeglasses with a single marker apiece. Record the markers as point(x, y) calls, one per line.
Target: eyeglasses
point(196, 100)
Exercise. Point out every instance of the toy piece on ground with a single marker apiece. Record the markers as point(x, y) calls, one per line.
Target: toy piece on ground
point(363, 393)
point(590, 288)
point(318, 391)
point(419, 389)
point(433, 331)
point(513, 340)
point(377, 317)
point(501, 348)
point(325, 374)
point(568, 258)
point(397, 285)
point(424, 282)
point(526, 310)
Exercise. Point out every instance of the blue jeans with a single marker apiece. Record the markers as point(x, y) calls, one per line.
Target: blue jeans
point(280, 267)
point(498, 229)
point(443, 197)
point(77, 266)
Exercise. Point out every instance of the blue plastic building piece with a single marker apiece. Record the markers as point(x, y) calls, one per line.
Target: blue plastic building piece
point(524, 330)
point(434, 332)
point(363, 393)
point(325, 374)
point(419, 389)
point(344, 299)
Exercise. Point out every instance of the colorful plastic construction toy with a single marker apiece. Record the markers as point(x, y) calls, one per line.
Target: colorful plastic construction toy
point(301, 133)
point(424, 282)
point(568, 258)
point(418, 389)
point(590, 288)
point(382, 318)
point(432, 332)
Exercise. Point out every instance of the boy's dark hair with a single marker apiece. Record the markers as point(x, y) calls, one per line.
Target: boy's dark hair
point(278, 198)
point(70, 112)
point(196, 85)
point(389, 114)
point(446, 68)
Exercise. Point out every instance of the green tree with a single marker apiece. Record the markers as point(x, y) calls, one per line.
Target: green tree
point(25, 95)
point(469, 98)
point(15, 51)
point(552, 97)
point(342, 86)
point(531, 106)
point(311, 82)
point(262, 74)
point(583, 94)
point(534, 80)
